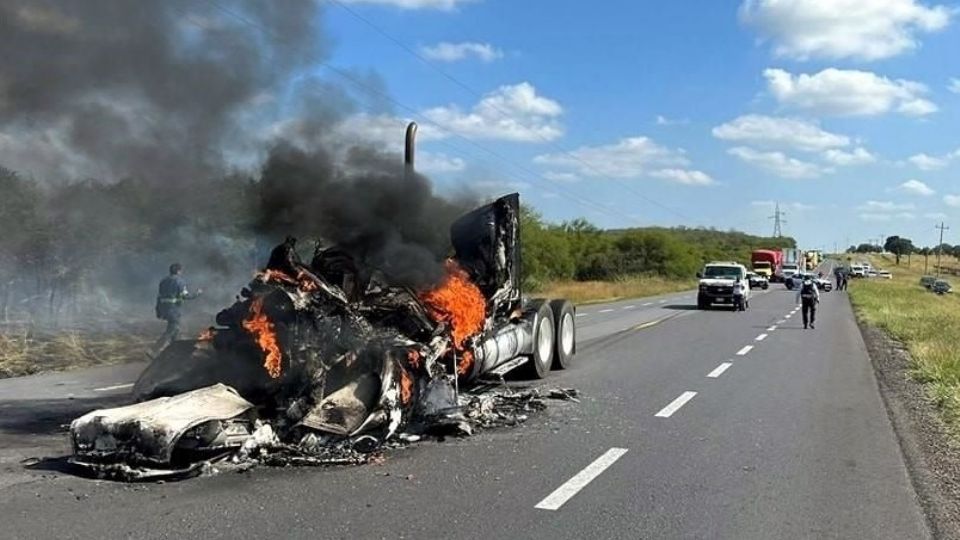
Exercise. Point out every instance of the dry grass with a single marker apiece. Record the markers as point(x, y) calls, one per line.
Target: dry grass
point(585, 292)
point(928, 324)
point(24, 351)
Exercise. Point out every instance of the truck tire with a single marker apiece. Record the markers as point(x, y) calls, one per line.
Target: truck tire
point(702, 302)
point(565, 336)
point(544, 335)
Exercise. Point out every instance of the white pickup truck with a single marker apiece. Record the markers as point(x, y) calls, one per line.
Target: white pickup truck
point(716, 283)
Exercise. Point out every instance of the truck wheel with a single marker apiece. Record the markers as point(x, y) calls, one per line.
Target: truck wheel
point(565, 336)
point(702, 302)
point(538, 366)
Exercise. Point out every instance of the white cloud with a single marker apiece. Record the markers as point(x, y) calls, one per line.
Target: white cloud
point(926, 162)
point(452, 52)
point(840, 158)
point(777, 163)
point(833, 29)
point(431, 162)
point(952, 200)
point(885, 206)
point(916, 187)
point(512, 113)
point(776, 131)
point(847, 92)
point(664, 121)
point(954, 85)
point(557, 176)
point(684, 176)
point(445, 5)
point(628, 158)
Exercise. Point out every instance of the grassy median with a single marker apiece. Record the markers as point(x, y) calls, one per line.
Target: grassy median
point(928, 324)
point(585, 292)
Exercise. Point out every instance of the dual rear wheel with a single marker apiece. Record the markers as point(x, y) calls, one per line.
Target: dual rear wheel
point(554, 336)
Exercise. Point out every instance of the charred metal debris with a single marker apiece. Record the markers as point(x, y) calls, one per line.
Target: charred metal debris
point(327, 363)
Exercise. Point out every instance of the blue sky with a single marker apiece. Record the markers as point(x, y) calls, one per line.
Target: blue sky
point(676, 113)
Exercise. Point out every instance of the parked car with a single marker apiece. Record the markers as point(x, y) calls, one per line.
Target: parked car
point(857, 271)
point(885, 274)
point(941, 286)
point(927, 281)
point(871, 273)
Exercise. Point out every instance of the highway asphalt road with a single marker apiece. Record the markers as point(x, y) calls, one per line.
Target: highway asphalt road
point(693, 424)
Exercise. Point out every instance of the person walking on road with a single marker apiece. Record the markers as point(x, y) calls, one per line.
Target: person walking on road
point(808, 296)
point(170, 296)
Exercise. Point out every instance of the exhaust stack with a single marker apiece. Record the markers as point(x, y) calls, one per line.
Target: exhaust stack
point(409, 149)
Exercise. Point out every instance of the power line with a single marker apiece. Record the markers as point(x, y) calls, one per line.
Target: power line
point(502, 113)
point(583, 201)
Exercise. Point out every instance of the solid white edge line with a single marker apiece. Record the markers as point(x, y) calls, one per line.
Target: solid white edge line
point(745, 350)
point(761, 337)
point(114, 387)
point(579, 481)
point(719, 370)
point(675, 405)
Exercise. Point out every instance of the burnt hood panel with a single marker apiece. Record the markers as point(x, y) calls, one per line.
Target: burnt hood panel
point(486, 244)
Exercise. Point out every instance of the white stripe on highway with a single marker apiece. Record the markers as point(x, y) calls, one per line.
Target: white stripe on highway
point(772, 328)
point(648, 304)
point(745, 350)
point(781, 321)
point(573, 486)
point(719, 371)
point(628, 307)
point(788, 316)
point(675, 405)
point(114, 387)
point(582, 314)
point(761, 337)
point(605, 311)
point(662, 302)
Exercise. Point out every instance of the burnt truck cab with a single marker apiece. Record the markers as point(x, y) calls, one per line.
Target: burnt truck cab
point(717, 280)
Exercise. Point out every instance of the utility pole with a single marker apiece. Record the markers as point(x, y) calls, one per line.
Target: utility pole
point(942, 228)
point(778, 222)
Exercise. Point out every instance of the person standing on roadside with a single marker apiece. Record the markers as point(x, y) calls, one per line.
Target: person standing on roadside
point(170, 296)
point(808, 296)
point(739, 304)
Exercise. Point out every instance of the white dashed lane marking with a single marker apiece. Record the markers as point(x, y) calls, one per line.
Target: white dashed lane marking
point(761, 337)
point(573, 486)
point(745, 350)
point(605, 311)
point(719, 370)
point(675, 405)
point(648, 304)
point(582, 314)
point(114, 387)
point(772, 328)
point(628, 307)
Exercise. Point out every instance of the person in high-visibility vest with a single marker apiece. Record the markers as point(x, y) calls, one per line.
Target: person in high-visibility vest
point(170, 297)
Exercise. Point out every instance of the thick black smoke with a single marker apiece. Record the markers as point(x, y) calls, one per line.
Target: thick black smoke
point(120, 122)
point(387, 219)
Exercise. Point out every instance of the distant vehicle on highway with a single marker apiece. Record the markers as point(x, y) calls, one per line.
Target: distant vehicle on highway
point(822, 283)
point(858, 271)
point(941, 286)
point(716, 283)
point(927, 281)
point(789, 269)
point(758, 281)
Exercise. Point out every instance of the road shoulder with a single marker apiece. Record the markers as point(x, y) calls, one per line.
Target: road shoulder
point(931, 454)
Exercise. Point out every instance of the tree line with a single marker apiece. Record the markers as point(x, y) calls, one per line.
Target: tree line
point(578, 250)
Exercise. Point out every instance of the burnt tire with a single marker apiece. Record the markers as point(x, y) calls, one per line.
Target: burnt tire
point(565, 336)
point(544, 335)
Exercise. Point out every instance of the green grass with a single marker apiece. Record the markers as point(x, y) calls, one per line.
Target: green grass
point(586, 292)
point(928, 324)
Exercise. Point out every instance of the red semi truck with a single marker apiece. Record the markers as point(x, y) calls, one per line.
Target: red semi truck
point(768, 262)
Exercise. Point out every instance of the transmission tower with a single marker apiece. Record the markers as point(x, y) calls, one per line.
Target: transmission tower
point(778, 222)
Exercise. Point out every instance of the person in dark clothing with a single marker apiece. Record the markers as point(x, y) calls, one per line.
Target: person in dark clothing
point(170, 296)
point(808, 296)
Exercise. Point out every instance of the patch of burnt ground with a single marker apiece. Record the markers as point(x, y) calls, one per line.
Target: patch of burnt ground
point(931, 452)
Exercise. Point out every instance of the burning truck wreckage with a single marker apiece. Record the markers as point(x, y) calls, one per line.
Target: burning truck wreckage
point(326, 363)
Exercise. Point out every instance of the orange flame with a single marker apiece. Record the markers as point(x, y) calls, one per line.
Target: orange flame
point(261, 328)
point(458, 302)
point(406, 387)
point(207, 335)
point(303, 281)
